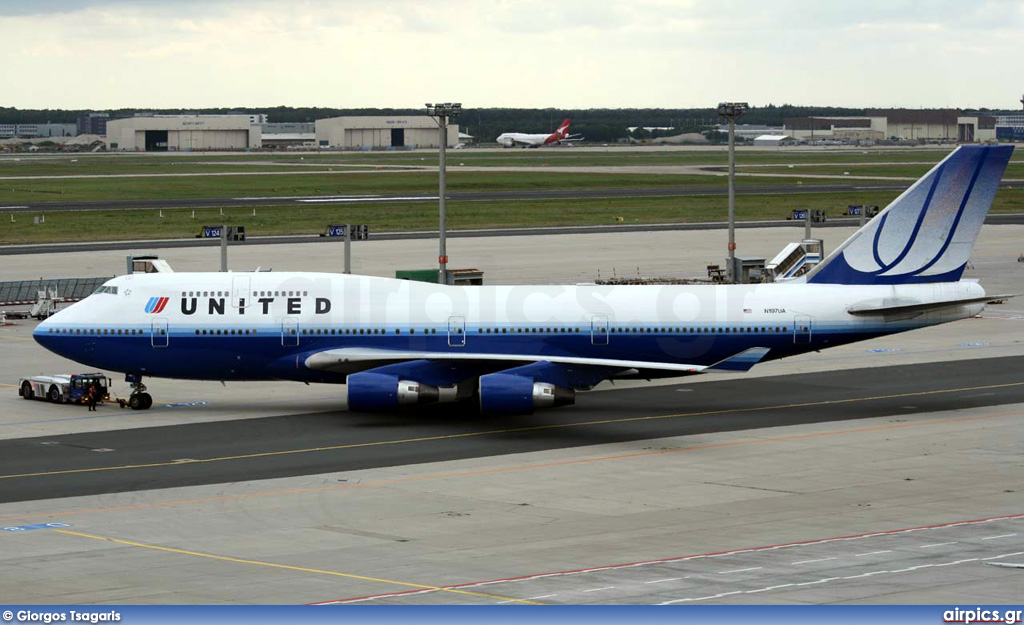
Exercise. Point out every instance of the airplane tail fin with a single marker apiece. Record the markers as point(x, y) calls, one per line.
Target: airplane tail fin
point(564, 128)
point(928, 232)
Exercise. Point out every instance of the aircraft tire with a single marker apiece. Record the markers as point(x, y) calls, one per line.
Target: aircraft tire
point(135, 402)
point(147, 401)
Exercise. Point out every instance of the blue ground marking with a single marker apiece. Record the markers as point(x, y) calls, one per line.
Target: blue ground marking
point(973, 345)
point(41, 526)
point(186, 404)
point(880, 351)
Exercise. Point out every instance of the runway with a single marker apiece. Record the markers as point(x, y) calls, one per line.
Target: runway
point(475, 196)
point(314, 443)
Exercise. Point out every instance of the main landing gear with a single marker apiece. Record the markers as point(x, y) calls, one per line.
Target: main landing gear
point(139, 399)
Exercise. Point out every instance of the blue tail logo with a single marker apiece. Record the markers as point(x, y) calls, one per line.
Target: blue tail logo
point(927, 233)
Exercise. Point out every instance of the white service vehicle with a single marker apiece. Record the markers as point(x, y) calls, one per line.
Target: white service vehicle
point(63, 388)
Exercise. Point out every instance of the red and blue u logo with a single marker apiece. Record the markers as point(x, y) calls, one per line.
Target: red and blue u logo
point(156, 305)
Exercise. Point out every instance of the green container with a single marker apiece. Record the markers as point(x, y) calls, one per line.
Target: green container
point(419, 275)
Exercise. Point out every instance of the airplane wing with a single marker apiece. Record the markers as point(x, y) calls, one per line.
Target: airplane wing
point(358, 358)
point(354, 359)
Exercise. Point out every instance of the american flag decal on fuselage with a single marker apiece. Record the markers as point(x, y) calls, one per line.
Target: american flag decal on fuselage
point(156, 305)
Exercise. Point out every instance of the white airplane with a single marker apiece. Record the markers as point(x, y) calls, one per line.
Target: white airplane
point(516, 348)
point(513, 139)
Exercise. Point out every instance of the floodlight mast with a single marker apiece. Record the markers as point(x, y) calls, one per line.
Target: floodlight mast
point(732, 111)
point(442, 112)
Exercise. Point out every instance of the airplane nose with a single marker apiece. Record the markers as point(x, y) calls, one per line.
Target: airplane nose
point(42, 330)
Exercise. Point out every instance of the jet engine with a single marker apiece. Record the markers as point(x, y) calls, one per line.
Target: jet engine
point(378, 392)
point(506, 394)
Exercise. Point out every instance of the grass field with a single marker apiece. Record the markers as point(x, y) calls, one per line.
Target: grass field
point(92, 164)
point(141, 224)
point(34, 191)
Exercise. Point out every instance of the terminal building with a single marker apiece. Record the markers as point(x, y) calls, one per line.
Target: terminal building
point(382, 132)
point(36, 131)
point(940, 125)
point(183, 133)
point(1010, 127)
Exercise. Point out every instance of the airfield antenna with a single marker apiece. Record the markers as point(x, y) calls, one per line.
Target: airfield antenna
point(732, 111)
point(441, 114)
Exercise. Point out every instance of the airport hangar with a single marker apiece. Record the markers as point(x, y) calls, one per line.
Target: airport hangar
point(183, 133)
point(903, 124)
point(377, 132)
point(174, 133)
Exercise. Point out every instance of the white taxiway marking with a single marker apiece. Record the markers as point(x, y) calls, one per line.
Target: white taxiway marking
point(871, 553)
point(860, 576)
point(599, 589)
point(995, 537)
point(753, 568)
point(667, 579)
point(937, 545)
point(1005, 555)
point(297, 197)
point(542, 597)
point(809, 561)
point(416, 198)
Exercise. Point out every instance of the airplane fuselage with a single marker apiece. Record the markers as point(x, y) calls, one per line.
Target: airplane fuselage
point(260, 326)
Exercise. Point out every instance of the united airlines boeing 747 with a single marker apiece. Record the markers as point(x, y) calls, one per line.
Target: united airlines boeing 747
point(513, 348)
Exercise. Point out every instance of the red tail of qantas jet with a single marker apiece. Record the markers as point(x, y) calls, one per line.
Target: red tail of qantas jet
point(518, 139)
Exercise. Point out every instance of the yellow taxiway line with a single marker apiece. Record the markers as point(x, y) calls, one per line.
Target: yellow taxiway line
point(301, 569)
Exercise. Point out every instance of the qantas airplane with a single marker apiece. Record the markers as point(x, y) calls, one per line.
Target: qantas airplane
point(513, 349)
point(513, 139)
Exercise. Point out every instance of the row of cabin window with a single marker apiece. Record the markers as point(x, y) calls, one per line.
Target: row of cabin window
point(548, 330)
point(229, 332)
point(254, 293)
point(334, 331)
point(707, 330)
point(99, 332)
point(755, 330)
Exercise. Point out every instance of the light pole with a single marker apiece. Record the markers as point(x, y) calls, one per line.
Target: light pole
point(441, 114)
point(731, 111)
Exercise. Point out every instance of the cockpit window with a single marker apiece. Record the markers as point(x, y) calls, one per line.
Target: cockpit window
point(112, 290)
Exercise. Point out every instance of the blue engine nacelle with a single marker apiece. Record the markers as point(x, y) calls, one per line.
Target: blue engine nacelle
point(506, 394)
point(379, 392)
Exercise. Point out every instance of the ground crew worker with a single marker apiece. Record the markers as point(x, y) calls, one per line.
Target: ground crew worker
point(90, 398)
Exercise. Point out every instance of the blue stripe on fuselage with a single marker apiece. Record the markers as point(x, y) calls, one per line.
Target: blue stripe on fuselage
point(261, 355)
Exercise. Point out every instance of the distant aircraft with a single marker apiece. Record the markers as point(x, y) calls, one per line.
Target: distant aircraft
point(512, 349)
point(514, 139)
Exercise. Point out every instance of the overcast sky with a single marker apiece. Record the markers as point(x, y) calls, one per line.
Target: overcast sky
point(514, 53)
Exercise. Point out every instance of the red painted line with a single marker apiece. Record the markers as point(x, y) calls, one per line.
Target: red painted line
point(676, 558)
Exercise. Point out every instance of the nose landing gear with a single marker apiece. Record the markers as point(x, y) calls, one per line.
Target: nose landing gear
point(139, 398)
